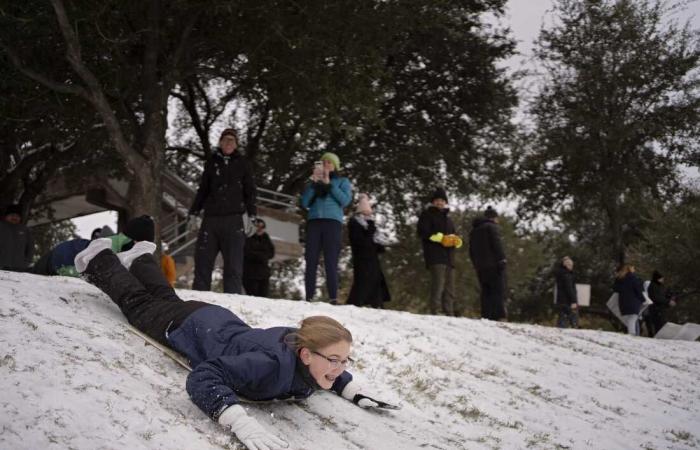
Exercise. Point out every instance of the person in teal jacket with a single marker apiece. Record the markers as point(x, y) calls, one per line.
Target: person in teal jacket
point(324, 199)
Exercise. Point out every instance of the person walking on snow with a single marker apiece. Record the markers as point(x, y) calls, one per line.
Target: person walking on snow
point(567, 298)
point(369, 286)
point(436, 231)
point(229, 359)
point(630, 290)
point(324, 199)
point(489, 259)
point(16, 242)
point(226, 191)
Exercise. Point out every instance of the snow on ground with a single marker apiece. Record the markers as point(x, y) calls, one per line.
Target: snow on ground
point(73, 376)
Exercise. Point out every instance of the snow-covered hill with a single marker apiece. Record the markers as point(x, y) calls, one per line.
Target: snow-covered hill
point(73, 376)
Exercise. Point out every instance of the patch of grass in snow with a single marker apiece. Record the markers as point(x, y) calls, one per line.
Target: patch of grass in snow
point(681, 435)
point(391, 356)
point(538, 438)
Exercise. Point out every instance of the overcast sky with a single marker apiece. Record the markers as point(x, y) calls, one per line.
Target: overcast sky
point(525, 18)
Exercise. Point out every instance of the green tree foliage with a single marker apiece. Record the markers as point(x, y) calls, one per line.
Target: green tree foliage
point(617, 113)
point(406, 93)
point(671, 245)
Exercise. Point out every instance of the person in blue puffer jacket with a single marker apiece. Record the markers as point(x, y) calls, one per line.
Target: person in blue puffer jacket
point(229, 359)
point(324, 199)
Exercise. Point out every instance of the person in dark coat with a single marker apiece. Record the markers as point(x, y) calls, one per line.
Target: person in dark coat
point(259, 250)
point(229, 359)
point(489, 259)
point(16, 242)
point(369, 287)
point(437, 233)
point(567, 298)
point(630, 290)
point(226, 192)
point(658, 294)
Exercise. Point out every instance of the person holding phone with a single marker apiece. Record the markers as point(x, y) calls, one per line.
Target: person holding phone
point(324, 198)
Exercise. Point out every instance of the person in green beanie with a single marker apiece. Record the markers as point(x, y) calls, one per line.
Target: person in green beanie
point(324, 198)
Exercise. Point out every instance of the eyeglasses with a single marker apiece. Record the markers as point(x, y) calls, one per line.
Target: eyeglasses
point(335, 362)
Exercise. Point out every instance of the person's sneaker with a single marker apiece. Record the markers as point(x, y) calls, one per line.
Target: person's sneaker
point(139, 248)
point(83, 258)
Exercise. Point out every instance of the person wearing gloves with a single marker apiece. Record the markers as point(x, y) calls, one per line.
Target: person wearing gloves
point(226, 192)
point(489, 259)
point(229, 359)
point(567, 298)
point(437, 233)
point(324, 199)
point(369, 287)
point(630, 289)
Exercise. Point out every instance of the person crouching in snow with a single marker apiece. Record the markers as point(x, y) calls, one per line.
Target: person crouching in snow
point(228, 358)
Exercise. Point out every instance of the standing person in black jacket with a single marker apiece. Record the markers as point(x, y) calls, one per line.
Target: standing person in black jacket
point(489, 259)
point(259, 250)
point(662, 302)
point(226, 191)
point(436, 231)
point(567, 298)
point(369, 286)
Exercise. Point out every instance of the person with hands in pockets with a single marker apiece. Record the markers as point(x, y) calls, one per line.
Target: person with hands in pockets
point(324, 199)
point(231, 361)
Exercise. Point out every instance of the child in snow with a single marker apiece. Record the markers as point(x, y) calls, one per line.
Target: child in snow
point(228, 358)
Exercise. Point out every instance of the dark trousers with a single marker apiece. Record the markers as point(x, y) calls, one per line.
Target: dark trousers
point(257, 288)
point(567, 317)
point(142, 293)
point(442, 288)
point(493, 289)
point(220, 234)
point(322, 235)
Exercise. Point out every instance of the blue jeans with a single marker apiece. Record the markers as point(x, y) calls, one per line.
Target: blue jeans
point(322, 235)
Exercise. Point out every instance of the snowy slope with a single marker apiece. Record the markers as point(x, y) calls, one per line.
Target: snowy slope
point(73, 376)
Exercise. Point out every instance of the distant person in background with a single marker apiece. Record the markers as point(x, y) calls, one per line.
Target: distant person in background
point(437, 234)
point(489, 259)
point(259, 250)
point(167, 264)
point(60, 259)
point(324, 199)
point(369, 286)
point(567, 299)
point(16, 242)
point(630, 290)
point(662, 302)
point(226, 192)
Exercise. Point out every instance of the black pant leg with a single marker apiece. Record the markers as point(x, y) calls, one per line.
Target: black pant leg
point(205, 254)
point(232, 242)
point(147, 270)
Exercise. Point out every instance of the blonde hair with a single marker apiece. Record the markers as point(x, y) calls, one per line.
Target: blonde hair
point(317, 332)
point(623, 270)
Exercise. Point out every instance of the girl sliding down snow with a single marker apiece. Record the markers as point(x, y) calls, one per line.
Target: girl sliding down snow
point(228, 358)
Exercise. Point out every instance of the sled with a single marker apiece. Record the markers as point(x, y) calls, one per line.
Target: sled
point(613, 305)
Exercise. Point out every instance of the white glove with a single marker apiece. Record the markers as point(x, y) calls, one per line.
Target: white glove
point(352, 393)
point(249, 431)
point(193, 223)
point(249, 226)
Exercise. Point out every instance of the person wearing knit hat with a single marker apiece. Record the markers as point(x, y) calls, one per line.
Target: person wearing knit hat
point(324, 198)
point(141, 228)
point(489, 259)
point(369, 287)
point(437, 233)
point(227, 195)
point(16, 242)
point(655, 317)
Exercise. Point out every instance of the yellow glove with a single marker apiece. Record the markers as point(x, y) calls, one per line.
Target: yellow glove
point(437, 237)
point(458, 242)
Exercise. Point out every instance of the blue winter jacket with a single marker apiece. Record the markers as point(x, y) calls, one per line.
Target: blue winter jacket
point(63, 256)
point(229, 358)
point(327, 205)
